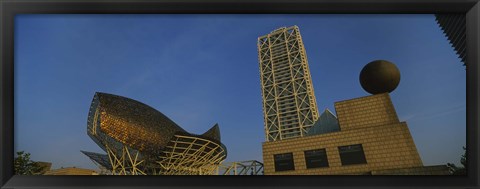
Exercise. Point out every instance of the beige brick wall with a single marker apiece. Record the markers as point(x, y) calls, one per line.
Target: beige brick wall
point(387, 143)
point(366, 112)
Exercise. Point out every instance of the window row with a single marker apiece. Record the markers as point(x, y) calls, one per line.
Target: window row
point(349, 155)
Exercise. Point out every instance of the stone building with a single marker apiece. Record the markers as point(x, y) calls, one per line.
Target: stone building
point(367, 138)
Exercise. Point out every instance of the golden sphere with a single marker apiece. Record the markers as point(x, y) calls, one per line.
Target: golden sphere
point(379, 76)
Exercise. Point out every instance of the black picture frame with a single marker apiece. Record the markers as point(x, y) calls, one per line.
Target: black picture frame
point(9, 8)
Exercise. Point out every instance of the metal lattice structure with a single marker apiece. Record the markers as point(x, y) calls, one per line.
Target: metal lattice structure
point(126, 163)
point(191, 155)
point(289, 103)
point(140, 140)
point(251, 167)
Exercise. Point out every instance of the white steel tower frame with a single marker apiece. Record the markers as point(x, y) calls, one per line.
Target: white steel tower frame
point(289, 104)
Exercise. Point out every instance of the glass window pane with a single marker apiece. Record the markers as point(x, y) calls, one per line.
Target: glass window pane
point(352, 154)
point(284, 162)
point(316, 158)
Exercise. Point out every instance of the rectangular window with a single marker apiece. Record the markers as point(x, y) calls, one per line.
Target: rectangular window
point(284, 162)
point(352, 154)
point(316, 158)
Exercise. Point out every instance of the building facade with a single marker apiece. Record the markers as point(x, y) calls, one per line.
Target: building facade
point(289, 105)
point(370, 138)
point(454, 27)
point(71, 171)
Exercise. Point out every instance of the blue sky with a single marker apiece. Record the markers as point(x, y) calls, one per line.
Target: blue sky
point(203, 69)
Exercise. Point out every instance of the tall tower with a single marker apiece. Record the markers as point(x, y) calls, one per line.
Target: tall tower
point(289, 105)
